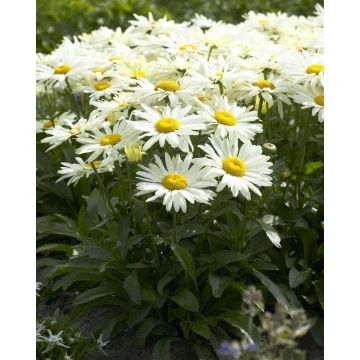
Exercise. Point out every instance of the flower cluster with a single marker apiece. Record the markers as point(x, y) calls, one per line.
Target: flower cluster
point(190, 95)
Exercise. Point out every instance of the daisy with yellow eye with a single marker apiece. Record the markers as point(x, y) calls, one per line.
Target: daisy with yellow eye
point(108, 142)
point(59, 66)
point(227, 119)
point(43, 125)
point(241, 170)
point(177, 181)
point(311, 97)
point(305, 67)
point(115, 109)
point(167, 125)
point(100, 88)
point(172, 90)
point(70, 129)
point(271, 90)
point(74, 172)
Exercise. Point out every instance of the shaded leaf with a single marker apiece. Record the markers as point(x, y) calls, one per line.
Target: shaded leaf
point(186, 299)
point(132, 287)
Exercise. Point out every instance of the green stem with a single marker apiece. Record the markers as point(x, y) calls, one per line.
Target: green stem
point(174, 227)
point(73, 99)
point(152, 238)
point(301, 158)
point(121, 183)
point(241, 242)
point(212, 47)
point(103, 191)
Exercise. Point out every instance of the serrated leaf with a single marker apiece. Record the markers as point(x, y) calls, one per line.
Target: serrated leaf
point(145, 329)
point(186, 299)
point(186, 260)
point(132, 287)
point(218, 284)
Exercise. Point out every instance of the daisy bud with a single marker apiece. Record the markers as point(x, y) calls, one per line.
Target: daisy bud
point(265, 106)
point(134, 152)
point(269, 149)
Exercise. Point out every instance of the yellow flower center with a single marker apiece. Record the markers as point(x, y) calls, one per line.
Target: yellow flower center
point(175, 182)
point(315, 69)
point(220, 74)
point(102, 85)
point(319, 100)
point(99, 70)
point(202, 98)
point(111, 139)
point(264, 21)
point(88, 165)
point(234, 166)
point(168, 85)
point(166, 125)
point(225, 118)
point(264, 84)
point(62, 69)
point(49, 123)
point(74, 130)
point(138, 74)
point(188, 47)
point(115, 58)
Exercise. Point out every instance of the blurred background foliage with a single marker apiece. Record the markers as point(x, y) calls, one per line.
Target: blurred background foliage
point(57, 18)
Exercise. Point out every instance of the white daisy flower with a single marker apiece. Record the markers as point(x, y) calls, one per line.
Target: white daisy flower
point(311, 97)
point(177, 182)
point(74, 172)
point(230, 120)
point(175, 91)
point(168, 125)
point(45, 124)
point(109, 143)
point(241, 170)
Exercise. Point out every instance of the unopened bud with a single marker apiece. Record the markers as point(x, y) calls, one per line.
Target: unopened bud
point(265, 106)
point(134, 152)
point(269, 148)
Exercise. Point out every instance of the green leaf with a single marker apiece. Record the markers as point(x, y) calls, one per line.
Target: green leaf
point(319, 287)
point(186, 299)
point(297, 277)
point(66, 281)
point(218, 284)
point(186, 260)
point(272, 287)
point(55, 247)
point(57, 224)
point(93, 294)
point(161, 349)
point(241, 322)
point(200, 327)
point(225, 257)
point(163, 282)
point(145, 329)
point(203, 353)
point(137, 315)
point(311, 167)
point(132, 287)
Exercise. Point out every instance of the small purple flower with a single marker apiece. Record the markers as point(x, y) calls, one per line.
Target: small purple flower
point(252, 347)
point(229, 349)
